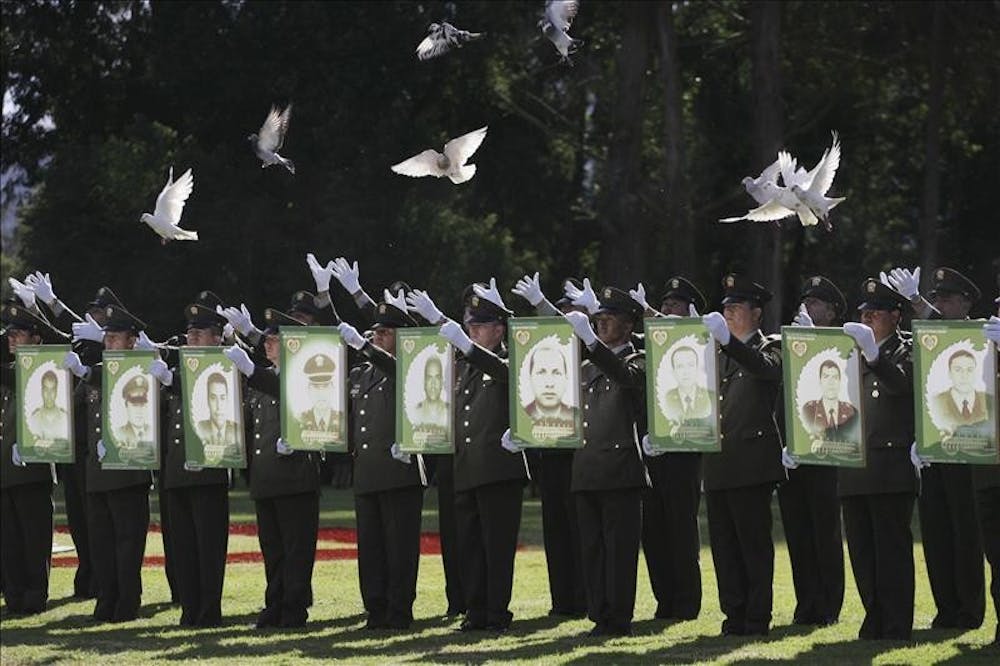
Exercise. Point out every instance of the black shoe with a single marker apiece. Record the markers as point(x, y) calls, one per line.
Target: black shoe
point(291, 620)
point(567, 612)
point(268, 618)
point(944, 622)
point(597, 631)
point(618, 630)
point(374, 625)
point(469, 625)
point(454, 611)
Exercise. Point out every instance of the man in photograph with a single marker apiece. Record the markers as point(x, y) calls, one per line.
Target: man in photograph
point(547, 372)
point(432, 410)
point(217, 430)
point(829, 417)
point(960, 405)
point(321, 417)
point(49, 421)
point(688, 400)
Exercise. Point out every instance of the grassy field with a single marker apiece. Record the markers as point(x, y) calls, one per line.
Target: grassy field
point(65, 634)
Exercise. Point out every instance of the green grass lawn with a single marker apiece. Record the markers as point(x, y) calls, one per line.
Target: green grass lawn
point(334, 632)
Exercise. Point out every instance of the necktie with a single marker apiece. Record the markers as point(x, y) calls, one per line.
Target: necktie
point(966, 412)
point(833, 419)
point(322, 424)
point(687, 404)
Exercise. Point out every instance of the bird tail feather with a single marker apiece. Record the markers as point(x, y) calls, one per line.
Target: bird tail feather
point(187, 235)
point(288, 164)
point(464, 173)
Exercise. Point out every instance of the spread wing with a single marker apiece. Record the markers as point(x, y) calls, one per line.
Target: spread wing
point(272, 132)
point(770, 173)
point(560, 13)
point(790, 173)
point(822, 175)
point(170, 203)
point(461, 149)
point(431, 48)
point(768, 212)
point(424, 164)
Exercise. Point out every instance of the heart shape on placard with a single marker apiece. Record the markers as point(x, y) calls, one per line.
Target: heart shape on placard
point(113, 367)
point(799, 348)
point(929, 341)
point(293, 344)
point(408, 346)
point(659, 337)
point(192, 364)
point(26, 362)
point(522, 337)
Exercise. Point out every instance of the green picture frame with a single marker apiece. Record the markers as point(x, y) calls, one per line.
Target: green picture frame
point(313, 380)
point(212, 391)
point(425, 374)
point(44, 390)
point(130, 411)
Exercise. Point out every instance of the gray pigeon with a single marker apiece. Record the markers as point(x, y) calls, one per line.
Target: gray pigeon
point(559, 14)
point(268, 142)
point(442, 37)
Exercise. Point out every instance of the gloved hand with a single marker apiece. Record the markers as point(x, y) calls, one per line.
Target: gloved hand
point(787, 459)
point(508, 443)
point(864, 337)
point(453, 333)
point(716, 325)
point(581, 326)
point(905, 282)
point(192, 467)
point(350, 335)
point(802, 318)
point(101, 450)
point(918, 462)
point(23, 292)
point(41, 284)
point(991, 330)
point(492, 294)
point(639, 296)
point(585, 298)
point(347, 275)
point(238, 319)
point(15, 456)
point(397, 454)
point(71, 361)
point(282, 448)
point(529, 289)
point(693, 311)
point(158, 368)
point(240, 359)
point(228, 333)
point(143, 343)
point(418, 301)
point(397, 301)
point(321, 274)
point(88, 329)
point(649, 449)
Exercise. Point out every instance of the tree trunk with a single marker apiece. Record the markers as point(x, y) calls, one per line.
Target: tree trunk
point(932, 160)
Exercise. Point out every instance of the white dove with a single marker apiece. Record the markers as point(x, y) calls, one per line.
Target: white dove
point(559, 14)
point(451, 163)
point(440, 39)
point(754, 185)
point(811, 187)
point(271, 137)
point(169, 206)
point(779, 203)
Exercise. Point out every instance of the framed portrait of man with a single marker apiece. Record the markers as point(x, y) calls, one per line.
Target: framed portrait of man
point(545, 383)
point(45, 401)
point(130, 410)
point(682, 385)
point(213, 409)
point(313, 395)
point(955, 370)
point(823, 417)
point(425, 372)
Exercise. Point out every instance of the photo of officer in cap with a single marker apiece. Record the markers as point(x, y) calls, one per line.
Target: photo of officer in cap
point(138, 425)
point(321, 420)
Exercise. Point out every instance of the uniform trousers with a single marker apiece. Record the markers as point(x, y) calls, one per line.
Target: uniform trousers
point(880, 544)
point(118, 521)
point(389, 553)
point(287, 529)
point(447, 528)
point(26, 545)
point(988, 505)
point(488, 519)
point(73, 477)
point(739, 527)
point(168, 547)
point(561, 536)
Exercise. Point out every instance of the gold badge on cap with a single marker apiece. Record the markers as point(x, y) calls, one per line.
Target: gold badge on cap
point(816, 281)
point(475, 301)
point(872, 285)
point(110, 311)
point(675, 283)
point(194, 309)
point(268, 315)
point(381, 309)
point(730, 281)
point(607, 292)
point(940, 274)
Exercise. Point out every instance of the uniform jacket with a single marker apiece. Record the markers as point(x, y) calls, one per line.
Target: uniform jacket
point(12, 475)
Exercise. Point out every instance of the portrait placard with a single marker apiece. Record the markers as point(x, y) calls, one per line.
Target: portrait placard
point(544, 383)
point(822, 386)
point(682, 385)
point(424, 391)
point(45, 404)
point(213, 409)
point(955, 372)
point(313, 389)
point(130, 411)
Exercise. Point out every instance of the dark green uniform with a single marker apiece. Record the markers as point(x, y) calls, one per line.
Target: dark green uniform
point(987, 484)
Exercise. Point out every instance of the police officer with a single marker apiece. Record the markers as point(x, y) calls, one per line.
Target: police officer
point(740, 479)
point(987, 482)
point(388, 484)
point(489, 477)
point(117, 500)
point(878, 499)
point(608, 472)
point(25, 489)
point(810, 509)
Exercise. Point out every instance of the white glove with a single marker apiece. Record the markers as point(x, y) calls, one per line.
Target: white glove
point(803, 319)
point(88, 330)
point(321, 274)
point(581, 326)
point(991, 330)
point(143, 343)
point(15, 456)
point(639, 296)
point(508, 443)
point(350, 335)
point(418, 301)
point(282, 448)
point(158, 368)
point(787, 459)
point(192, 467)
point(101, 450)
point(453, 333)
point(529, 289)
point(399, 455)
point(72, 362)
point(585, 298)
point(23, 291)
point(397, 301)
point(649, 449)
point(716, 325)
point(228, 332)
point(240, 359)
point(865, 339)
point(41, 284)
point(238, 319)
point(347, 275)
point(915, 458)
point(905, 282)
point(492, 294)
